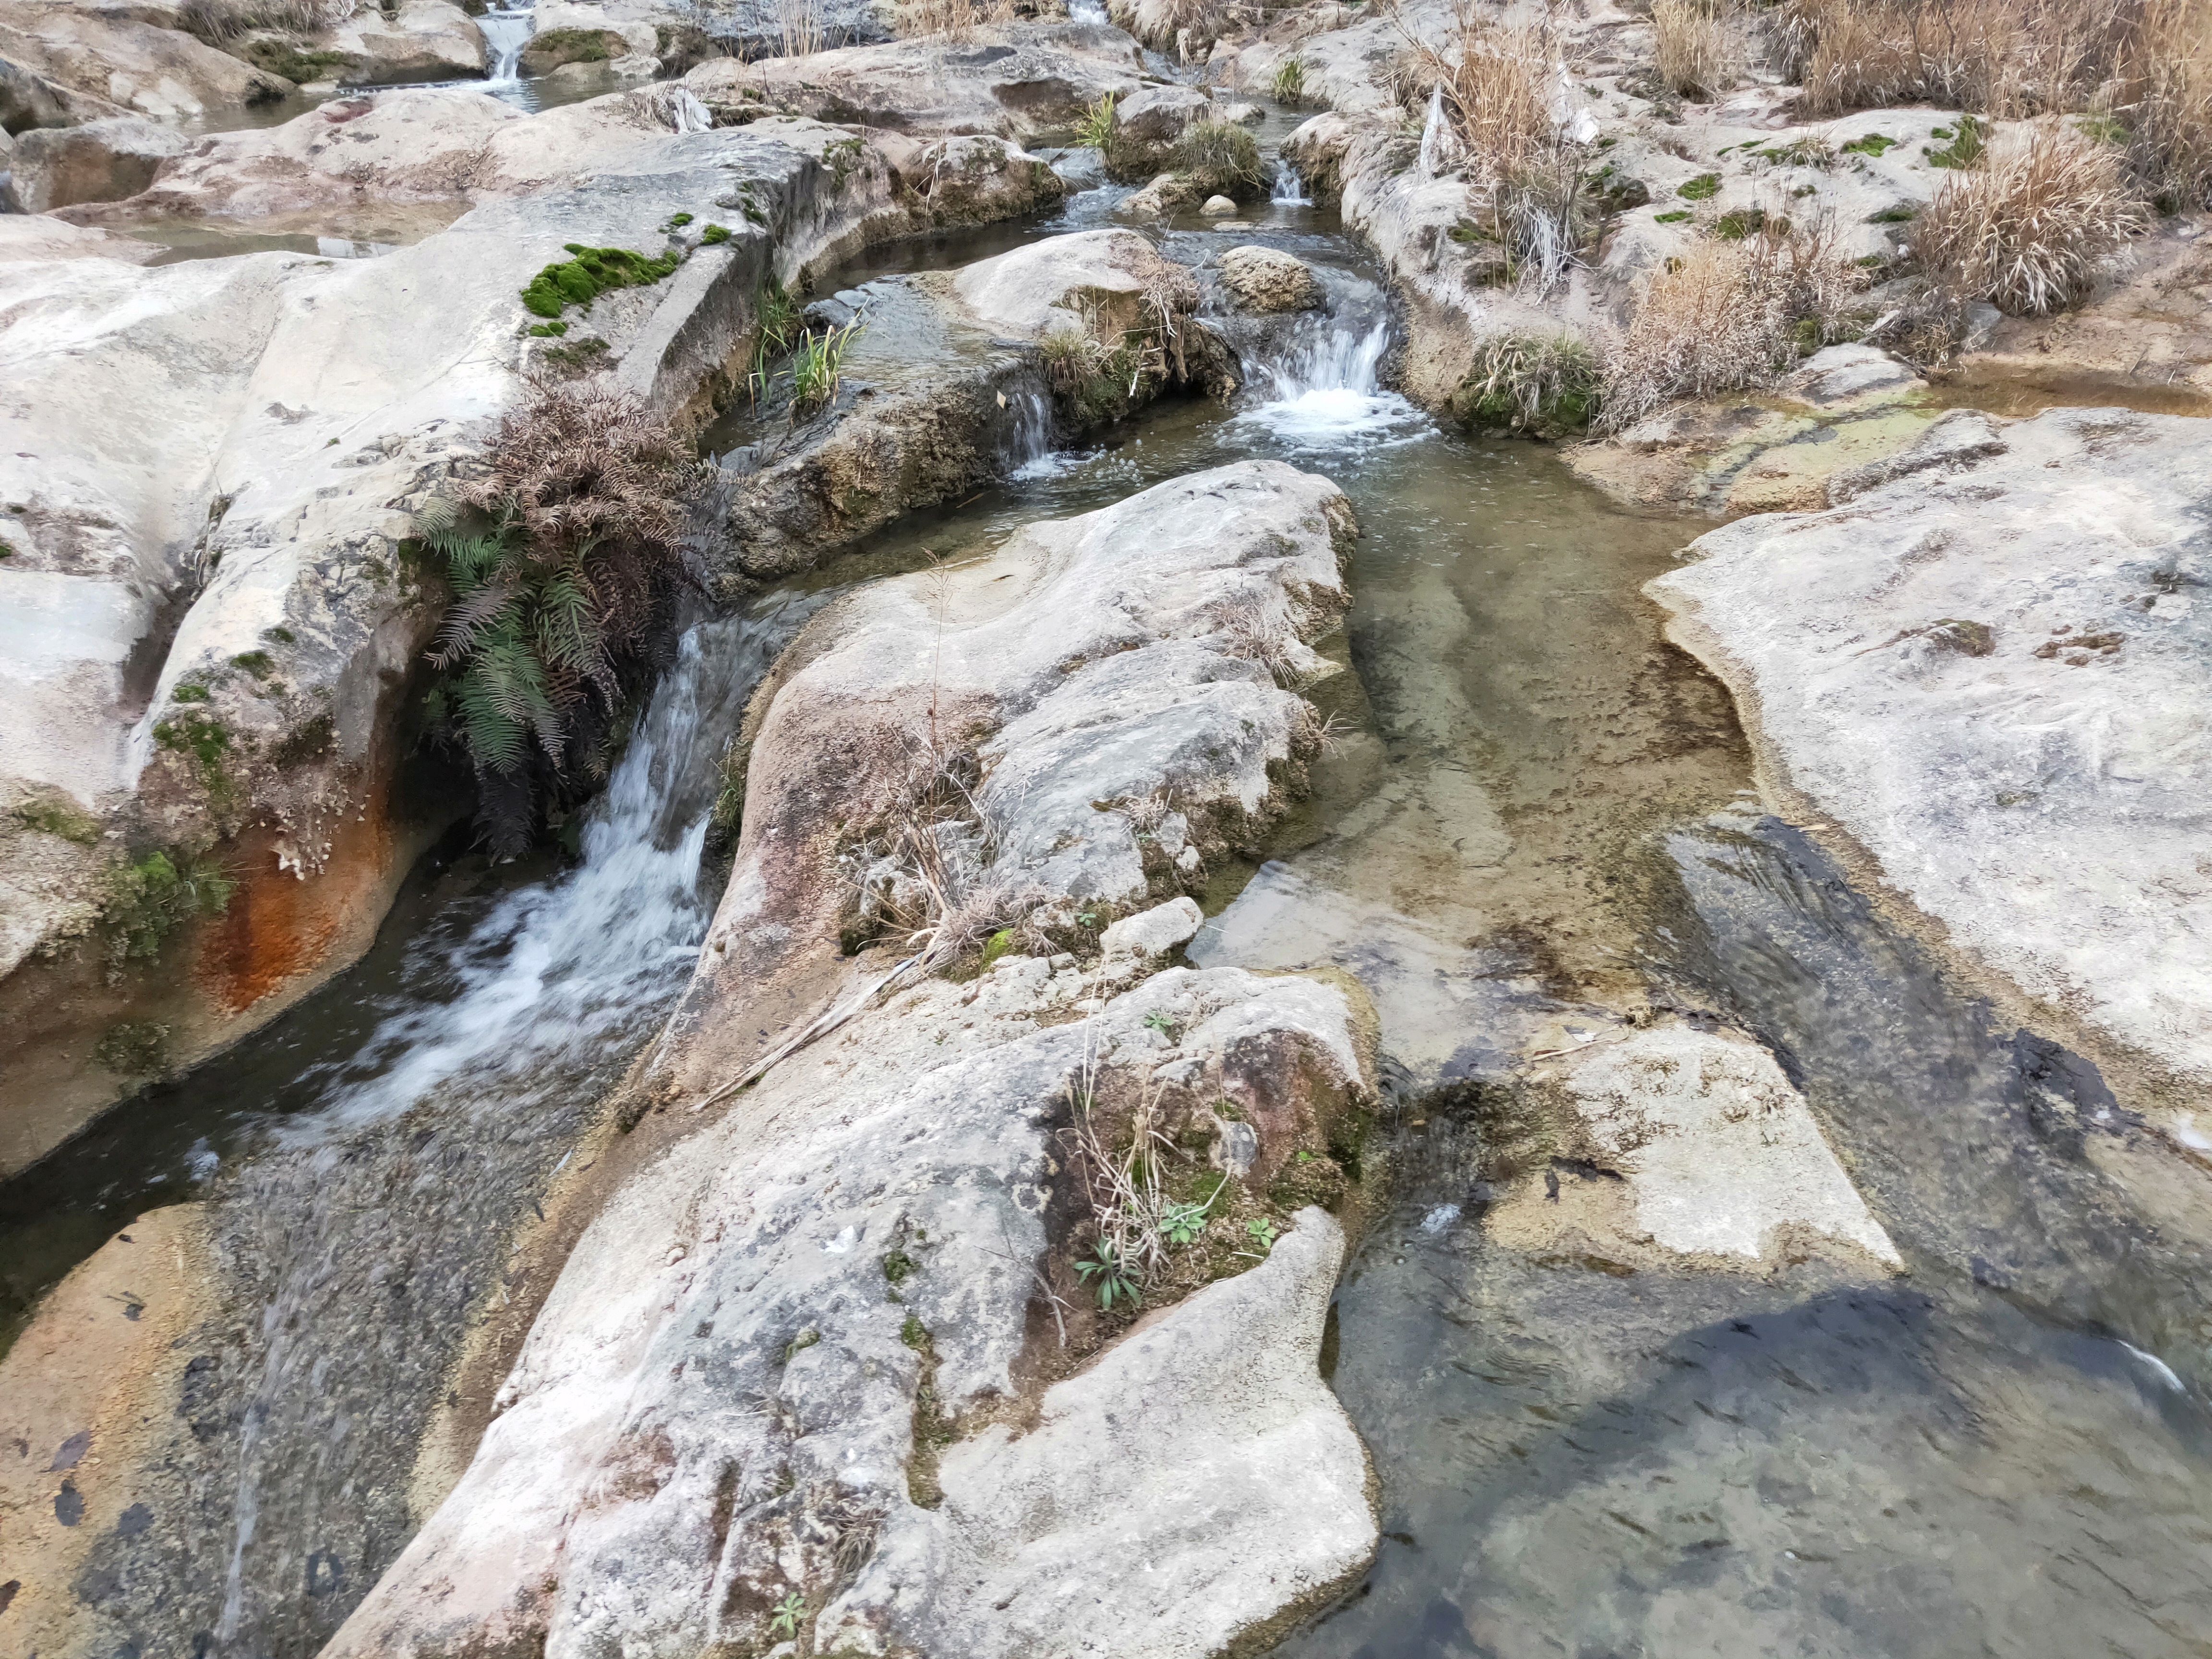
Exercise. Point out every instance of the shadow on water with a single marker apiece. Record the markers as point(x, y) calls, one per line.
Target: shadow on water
point(1991, 1455)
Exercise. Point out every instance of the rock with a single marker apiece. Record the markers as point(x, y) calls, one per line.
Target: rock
point(551, 48)
point(1165, 195)
point(1847, 409)
point(101, 161)
point(300, 410)
point(1015, 80)
point(1218, 207)
point(1990, 672)
point(1152, 933)
point(1702, 1150)
point(1243, 115)
point(946, 387)
point(414, 41)
point(26, 238)
point(85, 1388)
point(1263, 279)
point(29, 99)
point(754, 1317)
point(1147, 124)
point(1209, 1428)
point(111, 56)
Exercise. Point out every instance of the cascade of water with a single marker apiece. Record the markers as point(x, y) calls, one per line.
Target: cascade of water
point(1324, 389)
point(1086, 11)
point(1290, 189)
point(506, 33)
point(1028, 448)
point(1440, 146)
point(454, 1112)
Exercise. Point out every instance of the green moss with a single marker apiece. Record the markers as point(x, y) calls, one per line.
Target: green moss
point(280, 635)
point(7, 550)
point(189, 691)
point(55, 814)
point(593, 271)
point(1746, 221)
point(1903, 213)
point(1966, 147)
point(133, 1048)
point(800, 1344)
point(548, 331)
point(1873, 144)
point(914, 1334)
point(283, 58)
point(1703, 188)
point(578, 356)
point(1000, 943)
point(899, 1266)
point(555, 47)
point(842, 157)
point(201, 736)
point(145, 903)
point(677, 220)
point(713, 234)
point(1675, 218)
point(259, 664)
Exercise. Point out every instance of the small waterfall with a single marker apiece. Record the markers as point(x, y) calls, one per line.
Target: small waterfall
point(371, 1227)
point(506, 33)
point(1290, 189)
point(1028, 447)
point(1324, 389)
point(1086, 11)
point(1440, 146)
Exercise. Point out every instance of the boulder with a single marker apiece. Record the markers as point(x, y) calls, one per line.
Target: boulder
point(802, 1316)
point(1988, 668)
point(1152, 933)
point(551, 48)
point(416, 40)
point(1019, 81)
point(37, 238)
point(1265, 280)
point(215, 646)
point(1147, 124)
point(1674, 1145)
point(1218, 207)
point(112, 56)
point(28, 98)
point(101, 161)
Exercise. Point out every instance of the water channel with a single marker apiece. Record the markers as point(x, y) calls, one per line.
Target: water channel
point(1536, 820)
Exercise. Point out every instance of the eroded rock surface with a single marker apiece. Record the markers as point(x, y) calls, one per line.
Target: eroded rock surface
point(1989, 668)
point(1265, 279)
point(98, 161)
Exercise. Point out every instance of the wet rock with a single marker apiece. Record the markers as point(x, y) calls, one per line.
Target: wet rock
point(946, 386)
point(114, 57)
point(1015, 80)
point(99, 162)
point(2040, 800)
point(1847, 410)
point(1263, 279)
point(1218, 207)
point(1676, 1142)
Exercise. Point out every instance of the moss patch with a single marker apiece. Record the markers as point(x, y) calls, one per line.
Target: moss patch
point(581, 279)
point(148, 902)
point(1703, 188)
point(56, 815)
point(133, 1048)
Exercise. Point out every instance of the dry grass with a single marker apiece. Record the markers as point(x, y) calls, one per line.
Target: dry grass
point(954, 19)
point(2163, 98)
point(2031, 230)
point(1726, 316)
point(219, 23)
point(798, 28)
point(1700, 47)
point(1495, 84)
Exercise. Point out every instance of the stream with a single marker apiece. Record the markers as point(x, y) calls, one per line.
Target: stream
point(1535, 818)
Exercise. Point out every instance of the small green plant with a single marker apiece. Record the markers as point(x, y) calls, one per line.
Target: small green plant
point(1262, 1232)
point(133, 1048)
point(899, 1266)
point(1289, 84)
point(1114, 1279)
point(677, 220)
point(999, 944)
point(1903, 214)
point(1873, 144)
point(914, 1334)
point(1703, 188)
point(788, 1612)
point(817, 366)
point(1966, 147)
point(777, 314)
point(189, 691)
point(1675, 218)
point(259, 664)
point(7, 550)
point(1182, 1223)
point(1542, 384)
point(799, 1344)
point(590, 272)
point(146, 902)
point(1096, 129)
point(56, 814)
point(1159, 1020)
point(546, 331)
point(202, 737)
point(714, 234)
point(1746, 221)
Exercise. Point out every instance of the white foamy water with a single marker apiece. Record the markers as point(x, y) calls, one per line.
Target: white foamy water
point(506, 33)
point(1086, 11)
point(557, 978)
point(1325, 394)
point(1290, 189)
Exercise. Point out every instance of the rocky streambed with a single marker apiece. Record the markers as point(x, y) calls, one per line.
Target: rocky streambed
point(1675, 1048)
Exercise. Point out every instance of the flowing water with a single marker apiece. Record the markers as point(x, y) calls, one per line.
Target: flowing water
point(1532, 818)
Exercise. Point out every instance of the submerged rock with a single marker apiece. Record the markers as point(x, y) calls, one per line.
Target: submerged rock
point(1989, 668)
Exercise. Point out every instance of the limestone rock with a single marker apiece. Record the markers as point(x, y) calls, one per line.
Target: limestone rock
point(29, 99)
point(112, 56)
point(298, 411)
point(1018, 81)
point(414, 41)
point(1204, 1446)
point(1991, 671)
point(1152, 933)
point(1218, 207)
point(1146, 126)
point(1703, 1151)
point(1264, 279)
point(26, 237)
point(101, 161)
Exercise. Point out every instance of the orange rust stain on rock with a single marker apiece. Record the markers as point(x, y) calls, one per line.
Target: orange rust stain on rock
point(280, 926)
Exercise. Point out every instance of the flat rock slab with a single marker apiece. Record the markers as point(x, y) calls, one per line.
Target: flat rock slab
point(1992, 667)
